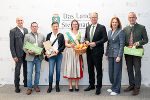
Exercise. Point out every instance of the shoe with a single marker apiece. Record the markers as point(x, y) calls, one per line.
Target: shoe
point(135, 91)
point(17, 90)
point(37, 89)
point(109, 90)
point(70, 90)
point(130, 88)
point(98, 91)
point(25, 85)
point(57, 87)
point(89, 88)
point(76, 90)
point(29, 91)
point(50, 88)
point(113, 93)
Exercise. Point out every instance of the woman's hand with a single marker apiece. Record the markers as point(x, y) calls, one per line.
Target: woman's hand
point(72, 45)
point(56, 51)
point(118, 59)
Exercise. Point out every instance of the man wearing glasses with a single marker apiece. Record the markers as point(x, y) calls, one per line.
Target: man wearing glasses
point(135, 35)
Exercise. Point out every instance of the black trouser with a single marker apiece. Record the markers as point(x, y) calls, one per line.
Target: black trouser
point(21, 60)
point(95, 60)
point(134, 64)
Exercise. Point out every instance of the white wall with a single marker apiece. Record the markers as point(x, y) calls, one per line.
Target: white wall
point(41, 11)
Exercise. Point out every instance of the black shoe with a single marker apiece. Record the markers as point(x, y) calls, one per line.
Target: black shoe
point(57, 87)
point(70, 90)
point(50, 88)
point(98, 91)
point(25, 85)
point(17, 90)
point(89, 88)
point(76, 90)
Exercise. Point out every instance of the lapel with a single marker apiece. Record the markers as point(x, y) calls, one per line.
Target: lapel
point(96, 29)
point(88, 30)
point(115, 33)
point(19, 32)
point(109, 34)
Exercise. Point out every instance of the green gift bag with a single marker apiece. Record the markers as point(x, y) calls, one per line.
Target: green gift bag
point(134, 51)
point(33, 47)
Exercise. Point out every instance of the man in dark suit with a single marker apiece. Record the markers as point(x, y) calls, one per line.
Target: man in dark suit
point(135, 35)
point(95, 37)
point(16, 47)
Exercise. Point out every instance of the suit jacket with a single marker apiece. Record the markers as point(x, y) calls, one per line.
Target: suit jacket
point(115, 44)
point(16, 42)
point(139, 35)
point(31, 38)
point(100, 37)
point(61, 41)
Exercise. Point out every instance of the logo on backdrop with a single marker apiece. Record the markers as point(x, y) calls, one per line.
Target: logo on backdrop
point(65, 19)
point(56, 18)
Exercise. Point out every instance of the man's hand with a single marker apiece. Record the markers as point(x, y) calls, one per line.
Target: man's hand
point(92, 44)
point(31, 52)
point(15, 59)
point(118, 59)
point(136, 44)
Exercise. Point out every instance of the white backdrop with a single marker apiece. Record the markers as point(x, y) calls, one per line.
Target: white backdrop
point(42, 11)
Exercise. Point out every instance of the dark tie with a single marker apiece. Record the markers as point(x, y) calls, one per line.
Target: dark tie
point(131, 37)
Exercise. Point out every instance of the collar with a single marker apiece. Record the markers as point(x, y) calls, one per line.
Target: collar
point(94, 25)
point(133, 25)
point(34, 34)
point(20, 28)
point(54, 34)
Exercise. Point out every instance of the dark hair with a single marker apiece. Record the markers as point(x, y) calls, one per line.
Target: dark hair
point(33, 23)
point(72, 23)
point(119, 23)
point(55, 22)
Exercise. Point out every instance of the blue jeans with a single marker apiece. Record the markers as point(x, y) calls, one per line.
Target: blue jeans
point(30, 65)
point(52, 61)
point(115, 74)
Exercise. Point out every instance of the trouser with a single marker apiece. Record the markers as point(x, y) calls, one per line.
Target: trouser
point(115, 74)
point(21, 60)
point(134, 65)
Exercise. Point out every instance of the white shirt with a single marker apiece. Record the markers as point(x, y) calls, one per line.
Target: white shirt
point(52, 38)
point(21, 29)
point(36, 40)
point(94, 29)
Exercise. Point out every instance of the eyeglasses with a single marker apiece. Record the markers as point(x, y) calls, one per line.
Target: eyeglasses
point(35, 26)
point(74, 24)
point(132, 17)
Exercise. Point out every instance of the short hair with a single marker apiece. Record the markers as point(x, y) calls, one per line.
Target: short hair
point(34, 23)
point(132, 13)
point(119, 23)
point(94, 13)
point(55, 22)
point(72, 23)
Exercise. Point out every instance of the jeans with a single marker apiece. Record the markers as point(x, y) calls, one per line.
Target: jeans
point(115, 74)
point(30, 65)
point(52, 61)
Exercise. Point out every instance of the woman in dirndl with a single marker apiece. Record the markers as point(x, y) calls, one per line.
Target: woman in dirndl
point(73, 63)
